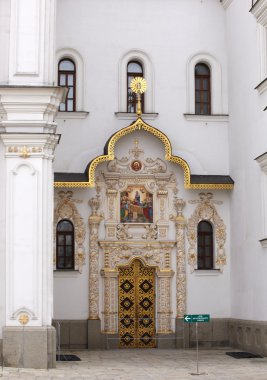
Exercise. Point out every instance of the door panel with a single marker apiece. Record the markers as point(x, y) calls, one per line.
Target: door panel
point(137, 306)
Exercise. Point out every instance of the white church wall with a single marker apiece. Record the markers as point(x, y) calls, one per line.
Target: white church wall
point(247, 139)
point(2, 240)
point(4, 39)
point(71, 288)
point(168, 43)
point(208, 292)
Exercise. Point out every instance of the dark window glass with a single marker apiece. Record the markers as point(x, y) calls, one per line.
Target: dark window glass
point(202, 90)
point(67, 78)
point(134, 69)
point(65, 245)
point(204, 245)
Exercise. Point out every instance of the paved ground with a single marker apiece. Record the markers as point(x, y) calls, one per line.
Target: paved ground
point(147, 365)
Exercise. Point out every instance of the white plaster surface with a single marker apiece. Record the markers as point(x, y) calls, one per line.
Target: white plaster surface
point(102, 35)
point(247, 140)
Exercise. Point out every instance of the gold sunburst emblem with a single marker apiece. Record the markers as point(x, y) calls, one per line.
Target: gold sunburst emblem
point(138, 85)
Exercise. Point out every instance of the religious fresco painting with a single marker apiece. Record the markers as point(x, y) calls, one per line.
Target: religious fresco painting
point(136, 205)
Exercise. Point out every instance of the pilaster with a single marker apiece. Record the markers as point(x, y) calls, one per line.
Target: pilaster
point(94, 222)
point(110, 300)
point(32, 42)
point(180, 225)
point(164, 313)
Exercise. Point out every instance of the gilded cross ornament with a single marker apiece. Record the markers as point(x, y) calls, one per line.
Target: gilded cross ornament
point(138, 86)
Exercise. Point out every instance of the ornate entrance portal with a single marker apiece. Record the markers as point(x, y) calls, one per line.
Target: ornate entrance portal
point(138, 197)
point(137, 306)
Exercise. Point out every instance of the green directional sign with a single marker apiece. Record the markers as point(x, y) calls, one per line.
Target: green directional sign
point(193, 318)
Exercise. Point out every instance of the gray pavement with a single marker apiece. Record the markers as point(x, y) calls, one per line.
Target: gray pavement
point(147, 365)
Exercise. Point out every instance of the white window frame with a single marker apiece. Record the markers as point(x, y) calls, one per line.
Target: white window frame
point(215, 83)
point(139, 56)
point(68, 53)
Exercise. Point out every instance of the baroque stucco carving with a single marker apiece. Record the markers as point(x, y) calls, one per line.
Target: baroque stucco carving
point(122, 232)
point(206, 210)
point(180, 226)
point(148, 242)
point(94, 220)
point(66, 209)
point(150, 174)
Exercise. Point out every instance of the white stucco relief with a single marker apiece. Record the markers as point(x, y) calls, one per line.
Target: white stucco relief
point(66, 209)
point(206, 210)
point(148, 241)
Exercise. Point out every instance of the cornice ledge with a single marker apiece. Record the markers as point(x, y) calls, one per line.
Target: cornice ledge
point(263, 242)
point(29, 108)
point(132, 115)
point(262, 161)
point(226, 3)
point(262, 86)
point(72, 115)
point(207, 272)
point(206, 118)
point(259, 10)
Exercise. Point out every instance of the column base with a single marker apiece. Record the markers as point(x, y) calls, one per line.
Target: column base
point(181, 333)
point(111, 341)
point(29, 347)
point(96, 340)
point(166, 341)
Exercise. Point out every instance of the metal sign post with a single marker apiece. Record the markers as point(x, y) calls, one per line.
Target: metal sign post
point(196, 318)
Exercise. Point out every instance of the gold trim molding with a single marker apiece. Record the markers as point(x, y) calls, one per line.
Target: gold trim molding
point(139, 124)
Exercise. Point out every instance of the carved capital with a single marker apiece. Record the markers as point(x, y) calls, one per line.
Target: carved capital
point(94, 203)
point(179, 205)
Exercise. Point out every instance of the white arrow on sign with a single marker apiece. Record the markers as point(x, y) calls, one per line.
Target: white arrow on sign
point(187, 318)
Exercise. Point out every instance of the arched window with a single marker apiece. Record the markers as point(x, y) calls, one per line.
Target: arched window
point(67, 78)
point(204, 245)
point(134, 69)
point(202, 90)
point(65, 245)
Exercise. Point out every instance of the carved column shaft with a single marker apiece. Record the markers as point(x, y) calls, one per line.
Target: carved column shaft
point(164, 301)
point(111, 197)
point(94, 221)
point(162, 205)
point(110, 304)
point(180, 225)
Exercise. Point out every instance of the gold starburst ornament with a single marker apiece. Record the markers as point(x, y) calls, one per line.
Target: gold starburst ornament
point(138, 85)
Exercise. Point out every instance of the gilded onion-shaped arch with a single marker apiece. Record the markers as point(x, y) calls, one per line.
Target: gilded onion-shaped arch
point(139, 124)
point(109, 154)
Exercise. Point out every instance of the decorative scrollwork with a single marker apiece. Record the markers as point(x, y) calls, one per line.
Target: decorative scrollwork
point(151, 232)
point(66, 209)
point(122, 232)
point(206, 210)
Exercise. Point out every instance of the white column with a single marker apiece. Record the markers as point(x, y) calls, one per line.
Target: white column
point(32, 42)
point(28, 105)
point(262, 160)
point(29, 237)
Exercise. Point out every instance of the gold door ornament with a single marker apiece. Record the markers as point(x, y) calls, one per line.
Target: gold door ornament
point(137, 306)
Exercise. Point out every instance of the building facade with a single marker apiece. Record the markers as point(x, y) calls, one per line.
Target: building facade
point(115, 224)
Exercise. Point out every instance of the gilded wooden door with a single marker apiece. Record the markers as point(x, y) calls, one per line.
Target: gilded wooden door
point(136, 306)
